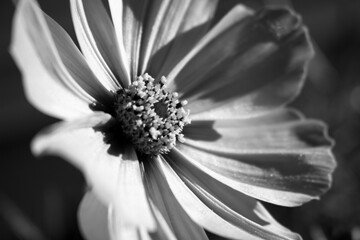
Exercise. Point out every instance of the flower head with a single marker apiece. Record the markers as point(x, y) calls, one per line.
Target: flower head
point(176, 118)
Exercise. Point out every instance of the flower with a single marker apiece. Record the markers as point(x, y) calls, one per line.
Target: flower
point(176, 119)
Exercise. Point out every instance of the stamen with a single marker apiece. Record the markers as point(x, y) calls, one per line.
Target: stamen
point(151, 115)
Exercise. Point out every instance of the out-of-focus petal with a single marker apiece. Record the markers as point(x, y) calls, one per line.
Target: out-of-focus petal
point(171, 29)
point(163, 199)
point(120, 230)
point(217, 207)
point(42, 70)
point(93, 218)
point(285, 163)
point(96, 36)
point(247, 64)
point(115, 176)
point(99, 222)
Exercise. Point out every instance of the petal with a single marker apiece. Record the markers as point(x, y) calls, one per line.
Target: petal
point(128, 17)
point(82, 78)
point(285, 163)
point(61, 55)
point(120, 231)
point(171, 30)
point(117, 15)
point(237, 216)
point(98, 42)
point(93, 218)
point(164, 200)
point(261, 67)
point(229, 21)
point(115, 176)
point(131, 200)
point(98, 222)
point(164, 231)
point(42, 71)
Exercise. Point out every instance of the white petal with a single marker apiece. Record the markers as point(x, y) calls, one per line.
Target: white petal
point(236, 15)
point(98, 42)
point(277, 158)
point(99, 222)
point(93, 218)
point(44, 86)
point(61, 55)
point(121, 231)
point(81, 77)
point(111, 170)
point(131, 200)
point(246, 65)
point(231, 207)
point(163, 231)
point(128, 16)
point(116, 9)
point(164, 200)
point(171, 30)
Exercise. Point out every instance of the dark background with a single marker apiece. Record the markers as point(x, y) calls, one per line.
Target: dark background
point(39, 197)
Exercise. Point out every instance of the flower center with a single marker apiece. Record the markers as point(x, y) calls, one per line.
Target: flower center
point(150, 115)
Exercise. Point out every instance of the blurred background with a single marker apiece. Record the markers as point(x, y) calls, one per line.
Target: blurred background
point(39, 197)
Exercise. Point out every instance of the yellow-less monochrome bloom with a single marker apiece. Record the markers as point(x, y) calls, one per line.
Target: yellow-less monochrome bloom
point(176, 119)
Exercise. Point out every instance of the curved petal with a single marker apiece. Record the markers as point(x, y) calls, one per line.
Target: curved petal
point(285, 163)
point(237, 215)
point(93, 218)
point(247, 64)
point(96, 36)
point(164, 200)
point(171, 30)
point(82, 78)
point(59, 53)
point(42, 71)
point(116, 177)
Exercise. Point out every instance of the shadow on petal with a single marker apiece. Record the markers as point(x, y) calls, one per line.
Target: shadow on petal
point(256, 62)
point(114, 137)
point(167, 57)
point(210, 134)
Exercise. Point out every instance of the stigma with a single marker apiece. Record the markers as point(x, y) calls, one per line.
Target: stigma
point(150, 115)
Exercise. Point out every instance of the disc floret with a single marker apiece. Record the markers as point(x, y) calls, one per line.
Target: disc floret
point(150, 115)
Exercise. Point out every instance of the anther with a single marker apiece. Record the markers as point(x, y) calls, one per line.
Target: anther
point(150, 115)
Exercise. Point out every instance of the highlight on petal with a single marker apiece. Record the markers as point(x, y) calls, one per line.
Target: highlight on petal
point(96, 35)
point(285, 162)
point(217, 207)
point(246, 65)
point(42, 70)
point(93, 218)
point(163, 200)
point(116, 179)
